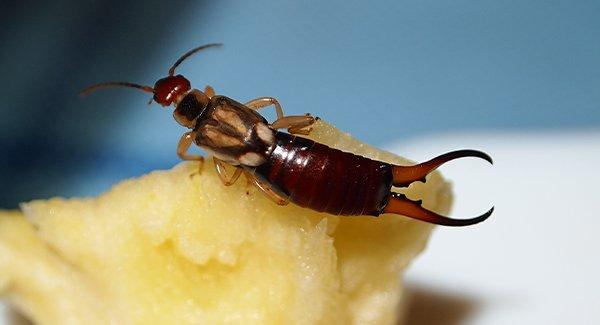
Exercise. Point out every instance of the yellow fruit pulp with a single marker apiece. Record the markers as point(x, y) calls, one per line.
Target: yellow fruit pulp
point(170, 248)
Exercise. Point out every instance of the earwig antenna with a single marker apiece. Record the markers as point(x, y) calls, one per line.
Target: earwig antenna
point(190, 53)
point(92, 88)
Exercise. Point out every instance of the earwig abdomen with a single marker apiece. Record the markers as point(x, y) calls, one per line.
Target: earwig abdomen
point(315, 176)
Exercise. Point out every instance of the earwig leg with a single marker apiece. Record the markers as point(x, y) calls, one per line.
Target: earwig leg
point(405, 175)
point(222, 171)
point(184, 144)
point(261, 102)
point(295, 124)
point(266, 189)
point(209, 91)
point(400, 204)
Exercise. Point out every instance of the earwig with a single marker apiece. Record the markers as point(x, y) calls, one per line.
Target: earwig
point(285, 167)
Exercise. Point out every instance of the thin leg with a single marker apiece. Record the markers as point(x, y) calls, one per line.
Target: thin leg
point(295, 124)
point(261, 102)
point(222, 171)
point(266, 189)
point(209, 91)
point(184, 144)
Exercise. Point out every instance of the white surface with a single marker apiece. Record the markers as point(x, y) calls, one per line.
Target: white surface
point(535, 261)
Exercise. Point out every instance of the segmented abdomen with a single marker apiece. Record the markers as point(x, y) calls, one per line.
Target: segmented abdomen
point(321, 178)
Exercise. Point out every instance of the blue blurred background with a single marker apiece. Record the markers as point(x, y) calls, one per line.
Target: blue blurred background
point(384, 71)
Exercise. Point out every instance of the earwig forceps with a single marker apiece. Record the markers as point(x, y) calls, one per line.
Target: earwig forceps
point(403, 176)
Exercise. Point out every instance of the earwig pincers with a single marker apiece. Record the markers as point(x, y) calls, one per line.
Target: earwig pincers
point(285, 167)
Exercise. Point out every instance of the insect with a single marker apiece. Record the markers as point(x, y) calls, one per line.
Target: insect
point(286, 167)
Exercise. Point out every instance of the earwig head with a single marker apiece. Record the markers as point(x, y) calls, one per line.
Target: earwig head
point(169, 89)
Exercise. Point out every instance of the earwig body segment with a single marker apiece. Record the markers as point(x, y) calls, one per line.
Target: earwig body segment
point(324, 179)
point(283, 166)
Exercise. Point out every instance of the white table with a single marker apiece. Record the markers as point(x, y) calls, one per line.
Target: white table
point(535, 261)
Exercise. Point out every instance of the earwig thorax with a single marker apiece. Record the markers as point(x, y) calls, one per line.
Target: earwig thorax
point(189, 107)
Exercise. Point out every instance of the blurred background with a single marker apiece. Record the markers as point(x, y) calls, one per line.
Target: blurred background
point(519, 79)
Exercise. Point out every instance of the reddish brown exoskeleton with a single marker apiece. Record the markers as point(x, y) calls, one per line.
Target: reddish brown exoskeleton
point(286, 167)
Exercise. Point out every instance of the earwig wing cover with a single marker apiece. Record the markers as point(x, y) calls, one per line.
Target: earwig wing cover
point(169, 248)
